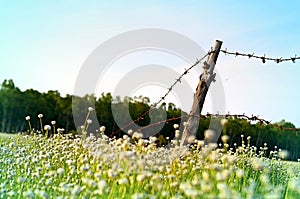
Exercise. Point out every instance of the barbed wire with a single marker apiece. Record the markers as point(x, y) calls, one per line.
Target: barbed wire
point(243, 116)
point(178, 80)
point(262, 58)
point(251, 118)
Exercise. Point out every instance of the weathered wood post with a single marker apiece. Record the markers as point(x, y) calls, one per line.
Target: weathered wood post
point(205, 80)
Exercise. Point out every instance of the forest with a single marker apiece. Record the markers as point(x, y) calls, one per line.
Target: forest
point(15, 105)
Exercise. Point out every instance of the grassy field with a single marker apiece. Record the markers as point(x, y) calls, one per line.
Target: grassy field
point(99, 167)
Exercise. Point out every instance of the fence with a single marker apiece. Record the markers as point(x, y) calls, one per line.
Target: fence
point(241, 116)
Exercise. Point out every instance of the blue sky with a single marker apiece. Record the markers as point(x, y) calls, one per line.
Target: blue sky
point(43, 44)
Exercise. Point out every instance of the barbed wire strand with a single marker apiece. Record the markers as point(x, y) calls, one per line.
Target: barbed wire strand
point(262, 58)
point(239, 116)
point(178, 80)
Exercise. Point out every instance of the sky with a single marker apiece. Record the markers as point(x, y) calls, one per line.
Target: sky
point(43, 45)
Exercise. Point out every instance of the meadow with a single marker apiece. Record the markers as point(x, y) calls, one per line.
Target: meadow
point(96, 166)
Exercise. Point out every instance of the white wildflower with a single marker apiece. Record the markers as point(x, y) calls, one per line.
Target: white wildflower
point(29, 194)
point(214, 156)
point(224, 121)
point(89, 182)
point(209, 134)
point(140, 177)
point(47, 165)
point(60, 130)
point(27, 118)
point(225, 138)
point(60, 171)
point(191, 139)
point(102, 129)
point(11, 145)
point(40, 116)
point(48, 181)
point(224, 191)
point(129, 132)
point(206, 186)
point(11, 193)
point(76, 190)
point(85, 167)
point(283, 154)
point(47, 127)
point(240, 173)
point(152, 139)
point(90, 109)
point(205, 176)
point(122, 181)
point(193, 193)
point(212, 145)
point(258, 164)
point(264, 179)
point(64, 187)
point(175, 126)
point(174, 142)
point(35, 175)
point(185, 185)
point(21, 180)
point(137, 135)
point(138, 196)
point(200, 143)
point(102, 184)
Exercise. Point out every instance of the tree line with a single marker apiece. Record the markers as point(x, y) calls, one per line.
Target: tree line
point(15, 105)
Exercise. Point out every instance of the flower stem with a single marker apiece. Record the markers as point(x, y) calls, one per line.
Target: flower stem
point(41, 123)
point(30, 129)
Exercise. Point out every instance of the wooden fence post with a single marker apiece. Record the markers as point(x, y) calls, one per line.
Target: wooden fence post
point(205, 80)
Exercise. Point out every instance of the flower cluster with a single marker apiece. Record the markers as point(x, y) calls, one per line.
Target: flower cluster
point(101, 167)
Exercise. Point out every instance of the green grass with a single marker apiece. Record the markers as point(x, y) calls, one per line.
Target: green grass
point(6, 135)
point(99, 167)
